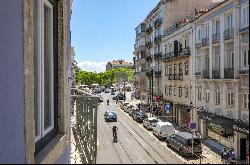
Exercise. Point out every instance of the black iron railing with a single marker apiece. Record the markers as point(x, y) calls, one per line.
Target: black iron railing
point(229, 34)
point(216, 38)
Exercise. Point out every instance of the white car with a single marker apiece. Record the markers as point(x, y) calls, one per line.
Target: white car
point(163, 129)
point(150, 122)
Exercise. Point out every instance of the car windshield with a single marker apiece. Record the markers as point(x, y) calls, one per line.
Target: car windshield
point(153, 121)
point(195, 143)
point(111, 114)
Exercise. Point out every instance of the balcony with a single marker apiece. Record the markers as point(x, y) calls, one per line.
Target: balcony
point(186, 51)
point(148, 58)
point(198, 45)
point(157, 56)
point(167, 56)
point(205, 42)
point(244, 29)
point(170, 76)
point(205, 74)
point(157, 73)
point(228, 34)
point(158, 39)
point(216, 38)
point(216, 74)
point(149, 29)
point(148, 73)
point(244, 71)
point(158, 23)
point(84, 126)
point(149, 44)
point(229, 73)
point(140, 49)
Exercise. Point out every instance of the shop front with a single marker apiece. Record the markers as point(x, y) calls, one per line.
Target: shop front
point(241, 136)
point(217, 128)
point(182, 114)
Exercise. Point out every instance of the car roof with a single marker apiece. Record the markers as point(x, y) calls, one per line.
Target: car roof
point(152, 118)
point(186, 135)
point(163, 123)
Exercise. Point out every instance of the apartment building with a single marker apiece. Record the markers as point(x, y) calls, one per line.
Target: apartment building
point(148, 43)
point(221, 73)
point(35, 86)
point(177, 75)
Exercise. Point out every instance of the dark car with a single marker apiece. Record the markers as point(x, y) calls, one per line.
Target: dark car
point(119, 96)
point(182, 142)
point(139, 116)
point(107, 90)
point(110, 116)
point(112, 92)
point(100, 98)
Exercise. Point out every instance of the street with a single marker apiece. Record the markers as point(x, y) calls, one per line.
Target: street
point(135, 143)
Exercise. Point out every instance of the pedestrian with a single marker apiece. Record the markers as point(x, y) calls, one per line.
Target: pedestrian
point(198, 134)
point(224, 156)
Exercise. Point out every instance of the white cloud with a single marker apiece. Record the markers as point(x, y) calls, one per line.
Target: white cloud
point(92, 66)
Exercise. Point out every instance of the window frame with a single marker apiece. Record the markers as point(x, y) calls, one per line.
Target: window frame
point(46, 135)
point(246, 101)
point(217, 97)
point(230, 99)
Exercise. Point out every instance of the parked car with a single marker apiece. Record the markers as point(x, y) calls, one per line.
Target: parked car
point(107, 90)
point(119, 96)
point(150, 122)
point(128, 108)
point(123, 105)
point(133, 110)
point(139, 116)
point(101, 98)
point(96, 91)
point(163, 129)
point(182, 142)
point(110, 116)
point(112, 92)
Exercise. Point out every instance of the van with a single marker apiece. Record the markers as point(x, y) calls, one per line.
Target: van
point(182, 142)
point(163, 129)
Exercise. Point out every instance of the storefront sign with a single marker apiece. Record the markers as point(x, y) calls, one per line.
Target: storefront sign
point(239, 129)
point(192, 125)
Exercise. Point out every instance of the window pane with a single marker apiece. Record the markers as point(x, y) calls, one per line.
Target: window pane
point(47, 68)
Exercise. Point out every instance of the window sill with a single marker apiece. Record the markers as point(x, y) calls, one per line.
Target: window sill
point(52, 152)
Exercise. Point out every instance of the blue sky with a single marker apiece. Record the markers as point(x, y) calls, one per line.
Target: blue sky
point(103, 30)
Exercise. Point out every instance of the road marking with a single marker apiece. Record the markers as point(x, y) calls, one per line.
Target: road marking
point(141, 157)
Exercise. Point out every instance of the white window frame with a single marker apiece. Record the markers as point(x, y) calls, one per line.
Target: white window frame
point(217, 97)
point(199, 93)
point(230, 59)
point(246, 101)
point(40, 67)
point(230, 21)
point(230, 99)
point(186, 92)
point(243, 60)
point(245, 16)
point(207, 96)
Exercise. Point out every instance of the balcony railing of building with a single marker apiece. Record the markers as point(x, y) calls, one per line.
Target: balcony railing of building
point(84, 127)
point(216, 74)
point(140, 49)
point(228, 34)
point(205, 74)
point(149, 44)
point(157, 73)
point(158, 23)
point(244, 70)
point(185, 51)
point(168, 56)
point(229, 73)
point(149, 29)
point(157, 56)
point(205, 42)
point(158, 39)
point(198, 45)
point(216, 38)
point(170, 76)
point(244, 29)
point(148, 58)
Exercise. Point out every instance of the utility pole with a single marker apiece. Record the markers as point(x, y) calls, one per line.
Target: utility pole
point(152, 88)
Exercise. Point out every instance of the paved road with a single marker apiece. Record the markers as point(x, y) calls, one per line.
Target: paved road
point(135, 145)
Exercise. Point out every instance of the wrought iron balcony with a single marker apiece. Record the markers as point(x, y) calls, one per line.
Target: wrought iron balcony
point(157, 56)
point(158, 23)
point(149, 44)
point(198, 45)
point(216, 74)
point(244, 70)
point(149, 29)
point(148, 58)
point(229, 73)
point(148, 73)
point(205, 74)
point(157, 73)
point(228, 34)
point(185, 51)
point(244, 29)
point(84, 127)
point(216, 38)
point(158, 39)
point(205, 42)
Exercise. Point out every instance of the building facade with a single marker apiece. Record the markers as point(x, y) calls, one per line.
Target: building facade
point(149, 48)
point(35, 95)
point(119, 64)
point(221, 72)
